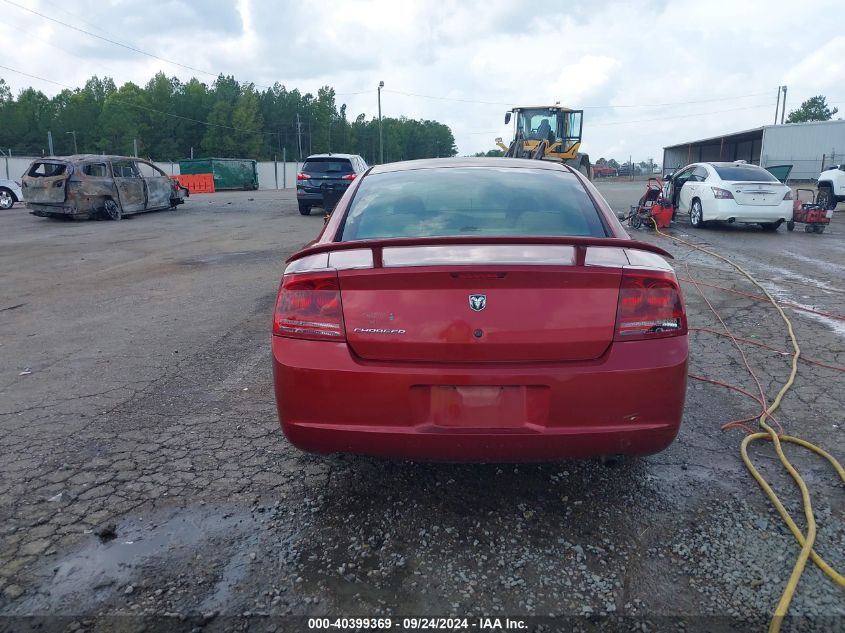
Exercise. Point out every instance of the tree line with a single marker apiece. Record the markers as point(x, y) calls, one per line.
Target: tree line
point(170, 118)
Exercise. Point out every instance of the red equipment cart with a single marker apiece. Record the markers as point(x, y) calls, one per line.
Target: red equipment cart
point(651, 206)
point(813, 216)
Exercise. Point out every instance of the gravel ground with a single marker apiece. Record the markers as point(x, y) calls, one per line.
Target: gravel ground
point(145, 484)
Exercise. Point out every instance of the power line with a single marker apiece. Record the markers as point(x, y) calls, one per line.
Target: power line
point(140, 51)
point(110, 41)
point(587, 107)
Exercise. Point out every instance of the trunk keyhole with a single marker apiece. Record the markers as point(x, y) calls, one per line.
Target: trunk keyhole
point(478, 333)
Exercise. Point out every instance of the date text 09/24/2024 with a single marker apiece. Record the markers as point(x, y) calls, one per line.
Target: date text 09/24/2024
point(419, 623)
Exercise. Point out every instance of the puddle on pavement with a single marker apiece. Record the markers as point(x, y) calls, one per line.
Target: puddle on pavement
point(100, 570)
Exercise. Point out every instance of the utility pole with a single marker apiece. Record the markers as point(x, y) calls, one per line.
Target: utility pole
point(777, 105)
point(783, 108)
point(50, 142)
point(73, 132)
point(135, 147)
point(380, 137)
point(299, 135)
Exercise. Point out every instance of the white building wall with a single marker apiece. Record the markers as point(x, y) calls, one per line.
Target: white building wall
point(804, 146)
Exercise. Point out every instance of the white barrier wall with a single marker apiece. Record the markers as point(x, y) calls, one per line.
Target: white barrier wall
point(271, 175)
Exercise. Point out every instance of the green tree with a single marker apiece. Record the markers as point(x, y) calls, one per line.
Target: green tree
point(124, 119)
point(601, 161)
point(613, 163)
point(813, 109)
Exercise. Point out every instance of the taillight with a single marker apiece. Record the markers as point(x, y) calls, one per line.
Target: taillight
point(788, 195)
point(348, 177)
point(308, 306)
point(649, 306)
point(301, 176)
point(722, 194)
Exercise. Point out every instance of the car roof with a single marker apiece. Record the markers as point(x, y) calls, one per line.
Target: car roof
point(75, 158)
point(439, 163)
point(730, 164)
point(332, 155)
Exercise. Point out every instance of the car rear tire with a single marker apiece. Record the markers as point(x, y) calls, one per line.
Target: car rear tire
point(304, 209)
point(112, 209)
point(7, 198)
point(696, 215)
point(770, 226)
point(825, 198)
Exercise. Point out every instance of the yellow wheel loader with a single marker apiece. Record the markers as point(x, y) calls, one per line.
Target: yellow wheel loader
point(547, 133)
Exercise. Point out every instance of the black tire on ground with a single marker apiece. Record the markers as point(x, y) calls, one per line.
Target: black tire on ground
point(636, 222)
point(825, 198)
point(7, 198)
point(819, 228)
point(790, 226)
point(112, 209)
point(696, 215)
point(808, 228)
point(304, 209)
point(770, 226)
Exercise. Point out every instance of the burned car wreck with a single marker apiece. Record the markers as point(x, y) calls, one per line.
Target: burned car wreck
point(93, 186)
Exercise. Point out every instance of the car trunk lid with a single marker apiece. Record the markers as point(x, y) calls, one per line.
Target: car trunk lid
point(757, 193)
point(46, 182)
point(479, 298)
point(492, 314)
point(327, 173)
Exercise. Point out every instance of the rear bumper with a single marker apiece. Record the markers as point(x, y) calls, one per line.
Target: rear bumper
point(56, 210)
point(726, 209)
point(628, 402)
point(304, 196)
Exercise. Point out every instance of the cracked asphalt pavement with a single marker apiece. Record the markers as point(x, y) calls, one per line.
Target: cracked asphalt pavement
point(145, 484)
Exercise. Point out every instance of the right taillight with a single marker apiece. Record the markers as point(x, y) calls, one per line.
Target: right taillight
point(308, 306)
point(788, 195)
point(650, 306)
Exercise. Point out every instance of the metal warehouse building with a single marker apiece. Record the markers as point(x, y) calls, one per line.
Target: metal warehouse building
point(806, 146)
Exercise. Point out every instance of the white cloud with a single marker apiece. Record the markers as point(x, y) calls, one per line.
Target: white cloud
point(584, 54)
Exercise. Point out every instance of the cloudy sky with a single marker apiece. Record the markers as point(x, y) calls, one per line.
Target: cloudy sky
point(716, 63)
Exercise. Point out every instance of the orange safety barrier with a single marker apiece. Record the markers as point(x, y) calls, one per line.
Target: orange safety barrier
point(196, 183)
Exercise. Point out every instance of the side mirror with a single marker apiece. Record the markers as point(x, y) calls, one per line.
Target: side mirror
point(498, 139)
point(668, 176)
point(507, 117)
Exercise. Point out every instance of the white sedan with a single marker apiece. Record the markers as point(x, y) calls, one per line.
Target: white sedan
point(729, 192)
point(10, 193)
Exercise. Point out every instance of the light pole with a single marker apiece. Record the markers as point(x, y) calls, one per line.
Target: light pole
point(380, 137)
point(73, 132)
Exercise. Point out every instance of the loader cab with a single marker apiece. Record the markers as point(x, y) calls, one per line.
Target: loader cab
point(559, 127)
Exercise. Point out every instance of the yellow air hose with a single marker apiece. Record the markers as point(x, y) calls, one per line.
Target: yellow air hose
point(807, 541)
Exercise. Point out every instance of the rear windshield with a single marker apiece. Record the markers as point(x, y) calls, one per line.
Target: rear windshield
point(471, 201)
point(327, 166)
point(744, 173)
point(46, 170)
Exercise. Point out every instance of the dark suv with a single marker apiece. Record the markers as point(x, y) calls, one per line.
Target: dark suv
point(324, 178)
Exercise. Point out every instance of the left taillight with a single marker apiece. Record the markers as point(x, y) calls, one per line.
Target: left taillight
point(649, 306)
point(308, 307)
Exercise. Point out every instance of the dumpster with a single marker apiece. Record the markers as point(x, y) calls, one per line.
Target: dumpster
point(229, 173)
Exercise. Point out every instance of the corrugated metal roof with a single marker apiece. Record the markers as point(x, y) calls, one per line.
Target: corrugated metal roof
point(732, 135)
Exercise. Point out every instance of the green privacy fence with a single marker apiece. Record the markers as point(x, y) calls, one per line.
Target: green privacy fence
point(229, 173)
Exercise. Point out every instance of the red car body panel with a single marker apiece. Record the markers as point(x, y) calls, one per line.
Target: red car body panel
point(406, 369)
point(331, 401)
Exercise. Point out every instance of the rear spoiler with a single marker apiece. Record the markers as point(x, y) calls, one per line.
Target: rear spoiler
point(580, 243)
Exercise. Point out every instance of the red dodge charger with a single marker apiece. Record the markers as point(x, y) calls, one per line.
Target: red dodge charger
point(487, 310)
